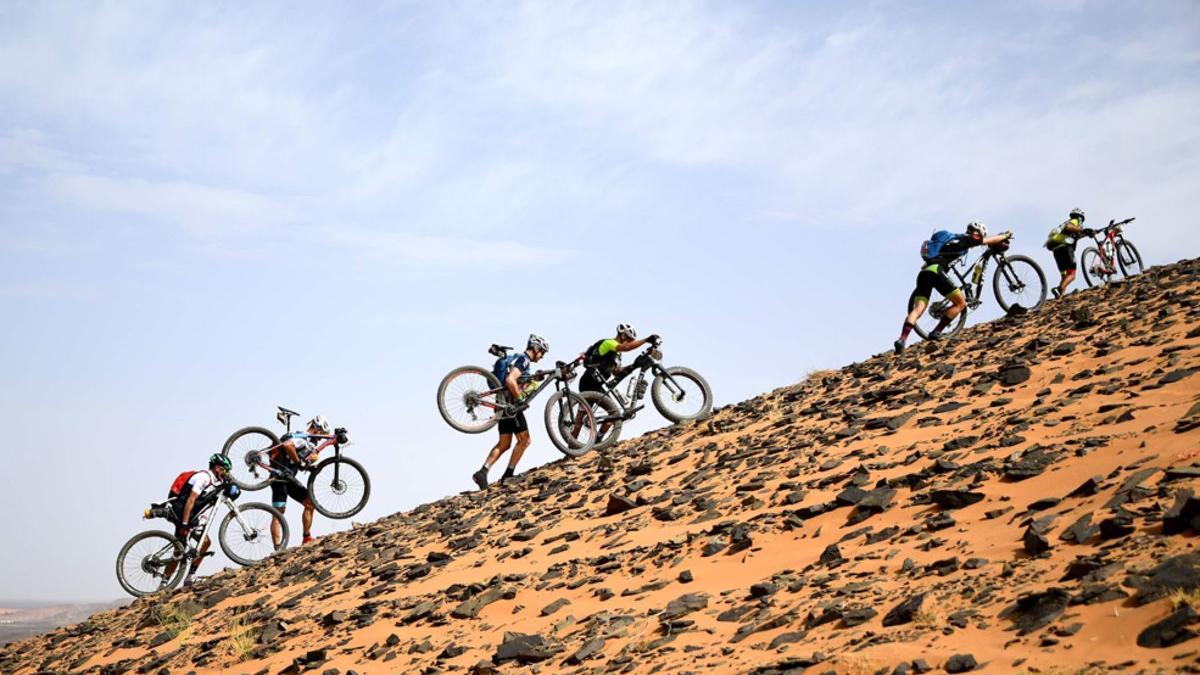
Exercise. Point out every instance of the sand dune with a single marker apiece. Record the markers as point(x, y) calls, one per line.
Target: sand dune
point(1014, 500)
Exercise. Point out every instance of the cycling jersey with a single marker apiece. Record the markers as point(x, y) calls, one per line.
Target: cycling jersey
point(603, 357)
point(1059, 235)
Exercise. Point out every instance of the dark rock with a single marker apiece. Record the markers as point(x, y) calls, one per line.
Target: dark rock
point(683, 605)
point(955, 499)
point(1036, 610)
point(1183, 515)
point(1014, 374)
point(522, 648)
point(961, 663)
point(1171, 630)
point(904, 612)
point(859, 616)
point(1120, 525)
point(1179, 573)
point(618, 504)
point(586, 651)
point(1035, 542)
point(1080, 531)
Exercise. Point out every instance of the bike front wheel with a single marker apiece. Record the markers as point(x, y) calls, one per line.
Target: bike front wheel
point(1019, 281)
point(934, 311)
point(246, 536)
point(1096, 269)
point(150, 562)
point(468, 399)
point(1129, 259)
point(247, 450)
point(608, 418)
point(570, 423)
point(681, 394)
point(339, 487)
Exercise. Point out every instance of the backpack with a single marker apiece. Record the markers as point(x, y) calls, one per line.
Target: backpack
point(180, 481)
point(591, 357)
point(931, 248)
point(503, 365)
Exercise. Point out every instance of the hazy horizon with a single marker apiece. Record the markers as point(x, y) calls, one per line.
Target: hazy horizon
point(208, 211)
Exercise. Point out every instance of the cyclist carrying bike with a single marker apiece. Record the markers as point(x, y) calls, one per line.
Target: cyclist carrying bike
point(293, 454)
point(1061, 243)
point(192, 495)
point(944, 250)
point(509, 370)
point(602, 361)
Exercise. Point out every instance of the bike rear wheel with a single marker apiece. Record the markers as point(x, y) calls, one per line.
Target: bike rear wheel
point(254, 543)
point(1129, 259)
point(1095, 270)
point(467, 398)
point(608, 418)
point(1019, 280)
point(245, 449)
point(339, 487)
point(143, 561)
point(570, 423)
point(932, 315)
point(683, 396)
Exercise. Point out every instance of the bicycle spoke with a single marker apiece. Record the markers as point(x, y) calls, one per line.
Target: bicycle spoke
point(253, 542)
point(342, 494)
point(467, 399)
point(144, 566)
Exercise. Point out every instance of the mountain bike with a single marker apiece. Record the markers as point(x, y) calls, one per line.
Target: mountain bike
point(680, 394)
point(155, 560)
point(1018, 280)
point(339, 486)
point(1111, 257)
point(472, 400)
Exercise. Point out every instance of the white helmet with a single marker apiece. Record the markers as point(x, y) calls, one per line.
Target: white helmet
point(976, 226)
point(625, 330)
point(320, 423)
point(1078, 213)
point(538, 342)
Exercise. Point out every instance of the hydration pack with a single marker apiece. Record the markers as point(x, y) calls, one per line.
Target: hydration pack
point(180, 481)
point(503, 365)
point(931, 248)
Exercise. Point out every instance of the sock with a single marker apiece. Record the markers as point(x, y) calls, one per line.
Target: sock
point(486, 467)
point(942, 325)
point(508, 473)
point(908, 327)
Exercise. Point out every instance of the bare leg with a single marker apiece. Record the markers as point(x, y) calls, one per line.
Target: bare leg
point(276, 531)
point(307, 516)
point(522, 443)
point(499, 449)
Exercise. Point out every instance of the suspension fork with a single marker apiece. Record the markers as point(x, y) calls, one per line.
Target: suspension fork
point(659, 371)
point(237, 515)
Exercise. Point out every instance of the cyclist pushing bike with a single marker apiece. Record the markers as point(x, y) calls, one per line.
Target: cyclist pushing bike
point(295, 453)
point(939, 252)
point(192, 494)
point(1061, 243)
point(509, 370)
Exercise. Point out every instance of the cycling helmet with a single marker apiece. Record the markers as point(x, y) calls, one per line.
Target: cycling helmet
point(627, 331)
point(539, 343)
point(233, 491)
point(976, 227)
point(220, 460)
point(319, 423)
point(1078, 213)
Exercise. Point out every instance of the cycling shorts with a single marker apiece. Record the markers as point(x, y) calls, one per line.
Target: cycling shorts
point(932, 278)
point(590, 382)
point(1064, 257)
point(513, 425)
point(282, 489)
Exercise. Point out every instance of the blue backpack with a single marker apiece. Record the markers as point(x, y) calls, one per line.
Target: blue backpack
point(504, 364)
point(932, 247)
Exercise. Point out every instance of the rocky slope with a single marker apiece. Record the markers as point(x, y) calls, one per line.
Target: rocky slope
point(1019, 499)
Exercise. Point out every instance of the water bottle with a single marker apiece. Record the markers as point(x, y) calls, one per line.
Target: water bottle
point(640, 391)
point(978, 275)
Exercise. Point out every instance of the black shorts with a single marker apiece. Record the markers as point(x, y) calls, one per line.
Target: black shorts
point(1064, 257)
point(928, 280)
point(513, 425)
point(589, 382)
point(282, 489)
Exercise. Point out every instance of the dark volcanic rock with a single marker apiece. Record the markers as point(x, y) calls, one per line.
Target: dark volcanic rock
point(618, 504)
point(1183, 515)
point(1180, 572)
point(905, 611)
point(522, 648)
point(1036, 610)
point(683, 605)
point(955, 499)
point(1014, 374)
point(961, 663)
point(1171, 630)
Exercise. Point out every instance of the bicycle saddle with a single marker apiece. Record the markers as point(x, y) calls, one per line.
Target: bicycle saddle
point(285, 411)
point(499, 350)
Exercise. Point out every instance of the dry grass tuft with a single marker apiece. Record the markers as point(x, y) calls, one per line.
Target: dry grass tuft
point(241, 637)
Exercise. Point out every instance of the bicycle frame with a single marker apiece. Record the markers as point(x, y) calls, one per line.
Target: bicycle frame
point(1106, 245)
point(560, 376)
point(636, 390)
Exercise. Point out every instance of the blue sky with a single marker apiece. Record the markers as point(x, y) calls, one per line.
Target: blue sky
point(210, 209)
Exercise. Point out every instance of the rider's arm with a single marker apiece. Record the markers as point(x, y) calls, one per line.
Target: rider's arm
point(996, 239)
point(512, 384)
point(187, 509)
point(631, 345)
point(290, 448)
